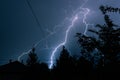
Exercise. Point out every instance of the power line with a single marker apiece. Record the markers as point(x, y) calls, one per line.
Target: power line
point(34, 15)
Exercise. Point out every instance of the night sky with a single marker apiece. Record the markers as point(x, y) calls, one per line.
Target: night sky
point(20, 31)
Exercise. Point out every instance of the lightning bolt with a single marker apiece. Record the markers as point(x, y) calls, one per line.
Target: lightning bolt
point(37, 21)
point(63, 43)
point(75, 17)
point(35, 45)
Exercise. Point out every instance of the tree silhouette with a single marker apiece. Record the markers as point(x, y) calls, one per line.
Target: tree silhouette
point(36, 70)
point(105, 46)
point(107, 43)
point(64, 66)
point(32, 58)
point(83, 68)
point(63, 61)
point(106, 9)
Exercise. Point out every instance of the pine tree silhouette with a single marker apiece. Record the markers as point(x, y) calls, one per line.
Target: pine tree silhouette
point(106, 45)
point(65, 66)
point(32, 58)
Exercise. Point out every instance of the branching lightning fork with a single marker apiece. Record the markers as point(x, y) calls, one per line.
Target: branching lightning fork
point(75, 17)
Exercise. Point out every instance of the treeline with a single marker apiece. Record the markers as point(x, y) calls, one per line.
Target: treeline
point(99, 60)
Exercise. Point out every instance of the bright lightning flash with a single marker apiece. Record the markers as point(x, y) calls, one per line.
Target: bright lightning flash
point(78, 12)
point(85, 12)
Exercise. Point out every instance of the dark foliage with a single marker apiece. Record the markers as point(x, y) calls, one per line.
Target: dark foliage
point(106, 45)
point(106, 9)
point(32, 58)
